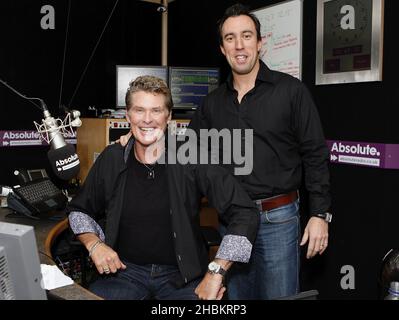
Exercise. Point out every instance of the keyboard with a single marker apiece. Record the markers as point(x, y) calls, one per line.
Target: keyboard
point(41, 195)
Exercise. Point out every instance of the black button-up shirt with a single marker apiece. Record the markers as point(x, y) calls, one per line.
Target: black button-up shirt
point(287, 135)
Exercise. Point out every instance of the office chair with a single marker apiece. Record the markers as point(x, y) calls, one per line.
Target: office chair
point(389, 271)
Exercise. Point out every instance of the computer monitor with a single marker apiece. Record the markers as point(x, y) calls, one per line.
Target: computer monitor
point(20, 276)
point(189, 85)
point(125, 74)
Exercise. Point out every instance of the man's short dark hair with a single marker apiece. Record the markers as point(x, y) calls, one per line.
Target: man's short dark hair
point(236, 10)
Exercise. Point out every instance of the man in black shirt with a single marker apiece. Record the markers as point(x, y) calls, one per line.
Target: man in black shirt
point(288, 138)
point(139, 217)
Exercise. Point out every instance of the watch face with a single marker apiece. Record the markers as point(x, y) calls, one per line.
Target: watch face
point(213, 267)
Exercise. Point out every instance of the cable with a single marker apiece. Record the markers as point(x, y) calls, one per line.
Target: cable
point(61, 264)
point(25, 97)
point(65, 47)
point(92, 54)
point(50, 257)
point(58, 264)
point(43, 106)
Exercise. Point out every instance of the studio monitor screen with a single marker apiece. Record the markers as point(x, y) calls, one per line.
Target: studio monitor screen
point(190, 85)
point(126, 74)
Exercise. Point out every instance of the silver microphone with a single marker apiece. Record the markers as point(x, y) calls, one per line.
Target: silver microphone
point(53, 130)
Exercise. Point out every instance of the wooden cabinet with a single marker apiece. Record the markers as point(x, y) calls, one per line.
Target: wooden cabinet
point(92, 138)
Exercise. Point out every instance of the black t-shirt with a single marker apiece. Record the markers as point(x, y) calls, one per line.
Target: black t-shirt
point(145, 231)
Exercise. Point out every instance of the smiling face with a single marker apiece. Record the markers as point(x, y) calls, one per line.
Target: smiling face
point(148, 117)
point(240, 44)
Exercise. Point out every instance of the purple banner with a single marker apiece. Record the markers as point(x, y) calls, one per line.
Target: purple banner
point(377, 155)
point(18, 138)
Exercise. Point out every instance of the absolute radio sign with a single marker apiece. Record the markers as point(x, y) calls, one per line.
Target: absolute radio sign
point(17, 138)
point(376, 155)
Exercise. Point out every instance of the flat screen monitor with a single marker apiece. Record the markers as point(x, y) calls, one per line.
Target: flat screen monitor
point(20, 276)
point(190, 85)
point(125, 74)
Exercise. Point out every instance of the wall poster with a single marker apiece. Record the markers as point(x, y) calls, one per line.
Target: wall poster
point(349, 41)
point(281, 31)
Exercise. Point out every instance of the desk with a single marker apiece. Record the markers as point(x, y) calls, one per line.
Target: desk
point(46, 230)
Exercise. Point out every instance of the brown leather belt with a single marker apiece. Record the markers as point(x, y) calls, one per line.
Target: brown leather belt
point(277, 201)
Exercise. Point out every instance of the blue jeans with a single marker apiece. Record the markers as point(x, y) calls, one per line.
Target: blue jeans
point(144, 282)
point(273, 270)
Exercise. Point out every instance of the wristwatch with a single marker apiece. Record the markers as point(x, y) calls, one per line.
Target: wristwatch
point(214, 268)
point(327, 217)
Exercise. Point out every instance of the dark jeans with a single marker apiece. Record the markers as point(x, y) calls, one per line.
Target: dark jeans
point(144, 282)
point(273, 270)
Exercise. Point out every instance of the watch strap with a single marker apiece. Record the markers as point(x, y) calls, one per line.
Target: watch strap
point(222, 271)
point(325, 216)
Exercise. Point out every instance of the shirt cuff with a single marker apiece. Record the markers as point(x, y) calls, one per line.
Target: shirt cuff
point(82, 223)
point(234, 248)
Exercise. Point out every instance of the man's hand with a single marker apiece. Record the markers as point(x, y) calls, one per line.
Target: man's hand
point(211, 287)
point(316, 232)
point(106, 259)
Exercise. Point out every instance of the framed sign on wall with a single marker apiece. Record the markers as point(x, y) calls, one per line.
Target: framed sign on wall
point(349, 41)
point(281, 31)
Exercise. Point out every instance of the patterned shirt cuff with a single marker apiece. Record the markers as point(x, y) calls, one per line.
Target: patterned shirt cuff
point(82, 223)
point(235, 248)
